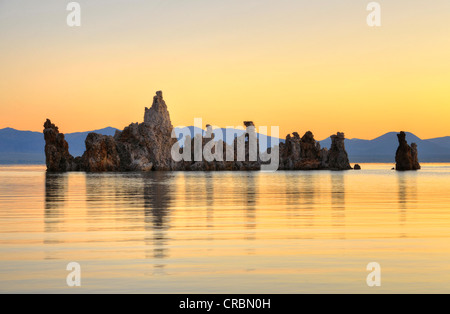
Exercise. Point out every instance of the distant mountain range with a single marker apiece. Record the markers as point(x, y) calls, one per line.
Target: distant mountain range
point(383, 148)
point(25, 147)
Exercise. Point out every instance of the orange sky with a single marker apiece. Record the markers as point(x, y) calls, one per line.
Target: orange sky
point(296, 64)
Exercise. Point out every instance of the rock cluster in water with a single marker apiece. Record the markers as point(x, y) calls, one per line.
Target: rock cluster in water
point(305, 153)
point(406, 157)
point(147, 146)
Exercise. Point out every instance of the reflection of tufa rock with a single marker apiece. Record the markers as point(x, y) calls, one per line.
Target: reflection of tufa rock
point(406, 157)
point(147, 146)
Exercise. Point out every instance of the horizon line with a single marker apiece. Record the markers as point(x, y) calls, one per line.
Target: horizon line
point(175, 127)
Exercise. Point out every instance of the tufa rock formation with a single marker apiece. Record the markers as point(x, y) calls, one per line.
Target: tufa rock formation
point(139, 147)
point(415, 156)
point(157, 114)
point(301, 153)
point(337, 156)
point(148, 146)
point(305, 153)
point(290, 151)
point(101, 154)
point(57, 156)
point(406, 157)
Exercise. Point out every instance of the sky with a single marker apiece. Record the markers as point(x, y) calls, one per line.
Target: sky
point(300, 65)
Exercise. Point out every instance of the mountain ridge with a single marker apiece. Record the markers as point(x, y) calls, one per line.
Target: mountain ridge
point(27, 147)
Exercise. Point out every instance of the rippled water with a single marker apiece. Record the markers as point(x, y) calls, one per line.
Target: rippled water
point(223, 232)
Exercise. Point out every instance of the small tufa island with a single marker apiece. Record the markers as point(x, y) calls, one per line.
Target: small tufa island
point(406, 157)
point(148, 146)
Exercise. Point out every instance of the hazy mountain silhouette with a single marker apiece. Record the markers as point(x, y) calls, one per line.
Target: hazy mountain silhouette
point(442, 141)
point(382, 149)
point(26, 147)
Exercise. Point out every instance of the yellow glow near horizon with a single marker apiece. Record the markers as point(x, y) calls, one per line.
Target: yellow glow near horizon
point(296, 65)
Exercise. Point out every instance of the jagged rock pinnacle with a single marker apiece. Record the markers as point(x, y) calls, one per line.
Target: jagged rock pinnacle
point(337, 156)
point(406, 156)
point(158, 115)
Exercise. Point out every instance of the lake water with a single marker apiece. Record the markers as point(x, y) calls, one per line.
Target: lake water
point(226, 232)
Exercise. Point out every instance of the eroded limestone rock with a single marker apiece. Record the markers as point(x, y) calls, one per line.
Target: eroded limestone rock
point(406, 157)
point(57, 156)
point(337, 155)
point(148, 146)
point(101, 154)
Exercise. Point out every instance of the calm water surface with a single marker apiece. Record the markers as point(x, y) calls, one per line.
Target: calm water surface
point(284, 232)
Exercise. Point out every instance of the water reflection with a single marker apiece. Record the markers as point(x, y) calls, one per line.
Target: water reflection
point(55, 200)
point(299, 192)
point(292, 197)
point(307, 192)
point(251, 194)
point(157, 201)
point(243, 195)
point(209, 191)
point(338, 202)
point(204, 228)
point(56, 186)
point(407, 197)
point(101, 201)
point(55, 191)
point(114, 202)
point(251, 191)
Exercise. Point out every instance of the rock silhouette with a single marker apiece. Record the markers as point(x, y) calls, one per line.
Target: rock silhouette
point(57, 156)
point(337, 156)
point(301, 153)
point(148, 146)
point(101, 154)
point(406, 157)
point(305, 153)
